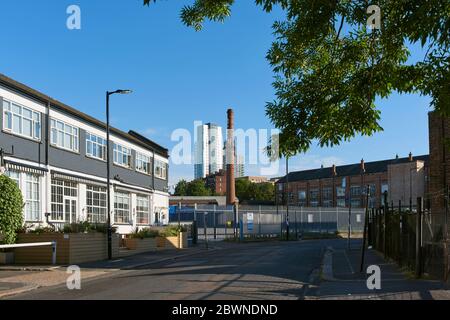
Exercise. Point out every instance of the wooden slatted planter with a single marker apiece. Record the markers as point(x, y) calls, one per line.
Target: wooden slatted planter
point(179, 242)
point(71, 248)
point(140, 245)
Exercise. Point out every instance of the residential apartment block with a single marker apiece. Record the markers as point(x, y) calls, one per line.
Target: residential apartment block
point(57, 156)
point(344, 186)
point(208, 150)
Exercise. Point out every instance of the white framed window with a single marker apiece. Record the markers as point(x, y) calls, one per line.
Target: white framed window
point(64, 135)
point(160, 169)
point(95, 146)
point(63, 200)
point(96, 204)
point(30, 187)
point(14, 175)
point(122, 155)
point(21, 120)
point(32, 197)
point(121, 207)
point(143, 163)
point(142, 209)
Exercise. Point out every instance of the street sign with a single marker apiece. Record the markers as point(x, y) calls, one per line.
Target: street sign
point(250, 221)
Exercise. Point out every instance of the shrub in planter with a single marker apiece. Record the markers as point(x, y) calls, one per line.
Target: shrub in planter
point(172, 231)
point(142, 240)
point(175, 237)
point(144, 233)
point(11, 204)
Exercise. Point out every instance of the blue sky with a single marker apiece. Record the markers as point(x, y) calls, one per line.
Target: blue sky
point(178, 75)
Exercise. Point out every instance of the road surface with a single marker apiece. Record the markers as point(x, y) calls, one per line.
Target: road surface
point(263, 270)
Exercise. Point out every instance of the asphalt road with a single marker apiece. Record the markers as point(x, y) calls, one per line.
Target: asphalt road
point(264, 270)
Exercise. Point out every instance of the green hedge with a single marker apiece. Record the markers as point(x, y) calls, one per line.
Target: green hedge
point(11, 214)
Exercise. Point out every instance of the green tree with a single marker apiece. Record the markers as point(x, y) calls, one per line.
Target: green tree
point(181, 188)
point(246, 190)
point(329, 68)
point(197, 188)
point(11, 204)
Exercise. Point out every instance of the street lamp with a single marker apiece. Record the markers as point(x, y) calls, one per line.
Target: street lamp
point(108, 178)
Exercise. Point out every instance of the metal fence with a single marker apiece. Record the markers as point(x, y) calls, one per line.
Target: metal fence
point(413, 237)
point(222, 222)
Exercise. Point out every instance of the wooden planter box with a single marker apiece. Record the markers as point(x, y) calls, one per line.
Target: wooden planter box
point(140, 245)
point(6, 257)
point(179, 242)
point(71, 248)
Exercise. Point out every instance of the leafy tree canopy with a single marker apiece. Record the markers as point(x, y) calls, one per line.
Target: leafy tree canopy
point(329, 68)
point(247, 190)
point(192, 188)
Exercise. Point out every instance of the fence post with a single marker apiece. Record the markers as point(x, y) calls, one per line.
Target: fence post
point(400, 240)
point(215, 223)
point(53, 252)
point(195, 226)
point(296, 226)
point(366, 218)
point(259, 222)
point(204, 229)
point(419, 238)
point(385, 211)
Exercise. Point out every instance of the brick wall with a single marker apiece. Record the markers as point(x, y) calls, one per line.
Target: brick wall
point(439, 168)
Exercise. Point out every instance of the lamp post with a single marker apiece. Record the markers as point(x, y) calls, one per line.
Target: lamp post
point(108, 178)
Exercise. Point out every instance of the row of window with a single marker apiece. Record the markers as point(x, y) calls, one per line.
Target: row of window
point(327, 196)
point(25, 122)
point(64, 201)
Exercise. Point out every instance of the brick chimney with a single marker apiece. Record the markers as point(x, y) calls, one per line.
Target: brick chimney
point(231, 192)
point(410, 157)
point(334, 173)
point(363, 167)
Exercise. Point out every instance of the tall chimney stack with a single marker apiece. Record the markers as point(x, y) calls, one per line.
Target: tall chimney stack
point(231, 193)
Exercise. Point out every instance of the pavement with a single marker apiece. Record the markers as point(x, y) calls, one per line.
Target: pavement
point(19, 279)
point(270, 270)
point(341, 278)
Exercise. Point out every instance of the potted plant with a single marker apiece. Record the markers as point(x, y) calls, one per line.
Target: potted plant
point(11, 217)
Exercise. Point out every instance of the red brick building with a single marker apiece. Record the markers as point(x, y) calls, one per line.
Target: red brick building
point(217, 182)
point(341, 186)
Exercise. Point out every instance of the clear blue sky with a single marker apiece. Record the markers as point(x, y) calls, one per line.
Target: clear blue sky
point(178, 75)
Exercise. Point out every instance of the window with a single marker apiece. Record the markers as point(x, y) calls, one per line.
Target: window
point(32, 197)
point(95, 146)
point(160, 169)
point(96, 204)
point(63, 202)
point(21, 120)
point(122, 156)
point(122, 207)
point(314, 197)
point(143, 163)
point(64, 135)
point(142, 209)
point(340, 192)
point(355, 191)
point(14, 175)
point(356, 203)
point(302, 198)
point(340, 203)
